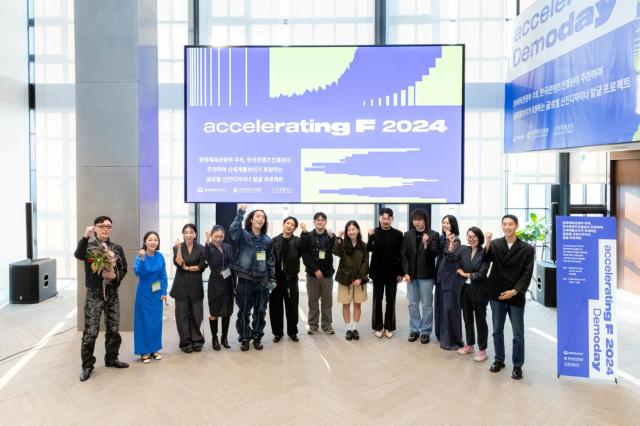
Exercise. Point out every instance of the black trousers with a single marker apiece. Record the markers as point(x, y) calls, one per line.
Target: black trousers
point(188, 322)
point(94, 305)
point(285, 294)
point(382, 286)
point(471, 310)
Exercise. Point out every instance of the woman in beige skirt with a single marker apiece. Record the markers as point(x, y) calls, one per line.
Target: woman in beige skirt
point(352, 275)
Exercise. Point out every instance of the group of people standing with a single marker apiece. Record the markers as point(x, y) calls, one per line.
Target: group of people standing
point(261, 273)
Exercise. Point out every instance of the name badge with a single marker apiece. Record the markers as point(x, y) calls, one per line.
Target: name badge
point(226, 273)
point(261, 256)
point(322, 254)
point(155, 286)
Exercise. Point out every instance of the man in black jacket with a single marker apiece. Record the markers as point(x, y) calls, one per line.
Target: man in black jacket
point(508, 282)
point(102, 295)
point(385, 244)
point(317, 249)
point(420, 248)
point(286, 250)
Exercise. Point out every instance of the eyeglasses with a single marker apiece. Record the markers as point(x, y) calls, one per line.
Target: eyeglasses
point(104, 226)
point(320, 220)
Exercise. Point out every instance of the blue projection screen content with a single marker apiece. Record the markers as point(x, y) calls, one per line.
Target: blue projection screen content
point(368, 124)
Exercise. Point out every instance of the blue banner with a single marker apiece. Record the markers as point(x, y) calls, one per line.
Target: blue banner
point(586, 285)
point(573, 76)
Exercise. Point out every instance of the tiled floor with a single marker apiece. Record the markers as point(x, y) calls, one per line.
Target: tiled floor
point(320, 380)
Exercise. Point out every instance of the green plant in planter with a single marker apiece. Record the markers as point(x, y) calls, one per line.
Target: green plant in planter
point(534, 231)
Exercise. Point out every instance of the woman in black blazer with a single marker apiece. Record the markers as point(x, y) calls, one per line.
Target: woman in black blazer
point(475, 295)
point(188, 257)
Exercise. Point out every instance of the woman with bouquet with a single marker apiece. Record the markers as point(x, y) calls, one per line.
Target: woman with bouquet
point(150, 295)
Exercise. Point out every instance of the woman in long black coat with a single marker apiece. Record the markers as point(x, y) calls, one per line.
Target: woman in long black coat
point(475, 295)
point(188, 257)
point(220, 289)
point(449, 287)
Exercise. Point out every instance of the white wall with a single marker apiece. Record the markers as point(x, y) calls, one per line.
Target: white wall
point(14, 139)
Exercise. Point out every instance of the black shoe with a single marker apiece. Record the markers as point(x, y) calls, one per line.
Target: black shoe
point(349, 335)
point(496, 366)
point(516, 374)
point(85, 374)
point(294, 337)
point(224, 342)
point(187, 350)
point(116, 364)
point(424, 339)
point(355, 334)
point(276, 339)
point(215, 344)
point(257, 344)
point(197, 348)
point(244, 345)
point(413, 337)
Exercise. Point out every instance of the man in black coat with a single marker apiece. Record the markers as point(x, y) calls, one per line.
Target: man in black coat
point(512, 266)
point(102, 296)
point(286, 251)
point(420, 247)
point(385, 245)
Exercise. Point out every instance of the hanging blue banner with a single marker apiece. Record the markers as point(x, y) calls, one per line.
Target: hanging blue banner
point(586, 284)
point(573, 75)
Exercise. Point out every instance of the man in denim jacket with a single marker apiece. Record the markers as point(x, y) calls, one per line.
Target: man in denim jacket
point(254, 267)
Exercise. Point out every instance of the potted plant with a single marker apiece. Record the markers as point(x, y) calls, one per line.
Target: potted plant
point(534, 231)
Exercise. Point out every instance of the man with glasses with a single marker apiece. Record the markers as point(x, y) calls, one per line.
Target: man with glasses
point(102, 295)
point(317, 248)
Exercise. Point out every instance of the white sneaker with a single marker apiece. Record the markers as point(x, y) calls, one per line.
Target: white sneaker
point(378, 334)
point(388, 333)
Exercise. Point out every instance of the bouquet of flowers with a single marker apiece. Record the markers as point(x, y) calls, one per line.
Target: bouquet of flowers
point(102, 259)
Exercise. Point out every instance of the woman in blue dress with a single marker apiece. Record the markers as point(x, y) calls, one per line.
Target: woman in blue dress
point(150, 295)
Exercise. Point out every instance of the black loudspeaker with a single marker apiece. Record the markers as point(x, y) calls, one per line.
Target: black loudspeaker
point(32, 281)
point(546, 283)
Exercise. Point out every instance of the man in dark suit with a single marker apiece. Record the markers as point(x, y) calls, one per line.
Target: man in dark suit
point(385, 245)
point(512, 266)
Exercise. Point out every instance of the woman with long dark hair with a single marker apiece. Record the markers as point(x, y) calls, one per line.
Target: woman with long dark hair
point(352, 275)
point(449, 287)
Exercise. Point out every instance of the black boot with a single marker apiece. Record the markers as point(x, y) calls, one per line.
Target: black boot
point(213, 324)
point(225, 330)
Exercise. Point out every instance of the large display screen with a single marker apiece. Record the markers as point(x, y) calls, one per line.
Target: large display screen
point(344, 124)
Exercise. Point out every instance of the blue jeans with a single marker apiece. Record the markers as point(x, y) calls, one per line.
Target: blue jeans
point(251, 295)
point(420, 291)
point(499, 311)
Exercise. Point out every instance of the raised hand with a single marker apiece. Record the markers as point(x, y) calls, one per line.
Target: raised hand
point(340, 234)
point(142, 253)
point(372, 232)
point(330, 233)
point(243, 207)
point(303, 227)
point(207, 236)
point(88, 231)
